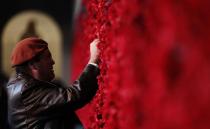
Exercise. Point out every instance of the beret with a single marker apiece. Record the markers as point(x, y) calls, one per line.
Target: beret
point(26, 49)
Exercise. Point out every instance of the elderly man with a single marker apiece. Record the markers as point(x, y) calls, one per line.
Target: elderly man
point(35, 102)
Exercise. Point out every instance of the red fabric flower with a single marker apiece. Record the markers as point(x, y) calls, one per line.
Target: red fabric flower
point(154, 63)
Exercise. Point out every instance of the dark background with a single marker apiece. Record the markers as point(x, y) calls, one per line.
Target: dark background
point(61, 11)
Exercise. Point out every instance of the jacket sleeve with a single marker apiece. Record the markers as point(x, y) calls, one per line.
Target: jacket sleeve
point(51, 98)
point(84, 89)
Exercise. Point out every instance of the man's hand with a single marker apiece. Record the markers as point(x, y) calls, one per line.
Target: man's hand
point(94, 52)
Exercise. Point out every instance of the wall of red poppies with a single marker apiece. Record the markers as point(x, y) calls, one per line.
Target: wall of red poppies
point(155, 63)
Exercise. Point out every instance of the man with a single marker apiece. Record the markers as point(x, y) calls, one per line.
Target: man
point(36, 103)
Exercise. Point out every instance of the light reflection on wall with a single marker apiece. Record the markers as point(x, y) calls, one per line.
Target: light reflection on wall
point(29, 23)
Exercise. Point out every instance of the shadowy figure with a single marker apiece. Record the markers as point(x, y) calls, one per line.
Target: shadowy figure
point(30, 30)
point(3, 102)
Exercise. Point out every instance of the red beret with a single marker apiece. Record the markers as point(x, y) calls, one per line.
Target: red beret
point(26, 49)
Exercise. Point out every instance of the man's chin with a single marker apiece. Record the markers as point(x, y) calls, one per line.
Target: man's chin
point(52, 78)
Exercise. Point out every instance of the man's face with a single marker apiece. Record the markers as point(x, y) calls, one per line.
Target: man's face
point(45, 66)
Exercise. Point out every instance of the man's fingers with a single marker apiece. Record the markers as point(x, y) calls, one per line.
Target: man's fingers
point(96, 41)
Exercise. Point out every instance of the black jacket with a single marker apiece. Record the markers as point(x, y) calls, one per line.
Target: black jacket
point(35, 104)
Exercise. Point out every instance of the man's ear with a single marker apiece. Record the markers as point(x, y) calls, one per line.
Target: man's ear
point(33, 65)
